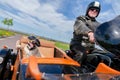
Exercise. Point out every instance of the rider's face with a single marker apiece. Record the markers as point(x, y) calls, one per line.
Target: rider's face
point(93, 12)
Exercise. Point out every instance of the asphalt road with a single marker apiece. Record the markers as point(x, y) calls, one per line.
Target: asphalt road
point(10, 42)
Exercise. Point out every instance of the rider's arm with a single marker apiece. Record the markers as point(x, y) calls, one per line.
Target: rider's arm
point(80, 27)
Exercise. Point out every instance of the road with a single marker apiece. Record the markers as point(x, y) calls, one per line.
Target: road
point(10, 42)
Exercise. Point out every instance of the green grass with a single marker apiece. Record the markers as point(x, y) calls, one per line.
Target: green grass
point(63, 46)
point(6, 33)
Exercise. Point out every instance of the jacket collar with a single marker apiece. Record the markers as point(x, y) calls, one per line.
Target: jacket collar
point(89, 18)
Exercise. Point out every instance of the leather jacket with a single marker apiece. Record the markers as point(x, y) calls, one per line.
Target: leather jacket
point(82, 26)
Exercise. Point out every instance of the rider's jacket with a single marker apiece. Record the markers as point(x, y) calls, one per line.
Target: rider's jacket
point(82, 26)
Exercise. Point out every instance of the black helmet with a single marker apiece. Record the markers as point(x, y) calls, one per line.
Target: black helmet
point(94, 4)
point(107, 35)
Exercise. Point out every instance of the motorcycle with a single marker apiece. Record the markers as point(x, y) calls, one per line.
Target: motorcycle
point(107, 36)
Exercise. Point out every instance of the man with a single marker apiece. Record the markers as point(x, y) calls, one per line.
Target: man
point(83, 41)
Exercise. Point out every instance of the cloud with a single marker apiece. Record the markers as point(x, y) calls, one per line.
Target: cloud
point(51, 18)
point(37, 14)
point(116, 7)
point(45, 11)
point(110, 10)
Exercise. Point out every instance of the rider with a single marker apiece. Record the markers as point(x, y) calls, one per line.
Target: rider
point(83, 41)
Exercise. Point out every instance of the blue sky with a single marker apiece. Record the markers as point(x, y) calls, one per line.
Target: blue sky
point(52, 18)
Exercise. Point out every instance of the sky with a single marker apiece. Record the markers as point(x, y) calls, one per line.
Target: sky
point(52, 19)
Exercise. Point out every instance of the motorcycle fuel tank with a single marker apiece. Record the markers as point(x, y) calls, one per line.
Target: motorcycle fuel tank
point(107, 35)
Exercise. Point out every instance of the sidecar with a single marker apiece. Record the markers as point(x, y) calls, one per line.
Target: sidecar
point(51, 62)
point(50, 66)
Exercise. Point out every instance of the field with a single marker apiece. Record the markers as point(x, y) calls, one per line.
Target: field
point(63, 46)
point(6, 33)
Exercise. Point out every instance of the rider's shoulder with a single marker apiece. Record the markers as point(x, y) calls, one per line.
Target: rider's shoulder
point(83, 18)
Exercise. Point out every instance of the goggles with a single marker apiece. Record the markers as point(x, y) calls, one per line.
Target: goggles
point(94, 9)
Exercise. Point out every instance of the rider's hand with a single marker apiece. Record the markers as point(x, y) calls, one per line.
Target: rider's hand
point(91, 37)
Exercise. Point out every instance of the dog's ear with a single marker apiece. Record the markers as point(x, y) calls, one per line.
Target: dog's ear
point(37, 42)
